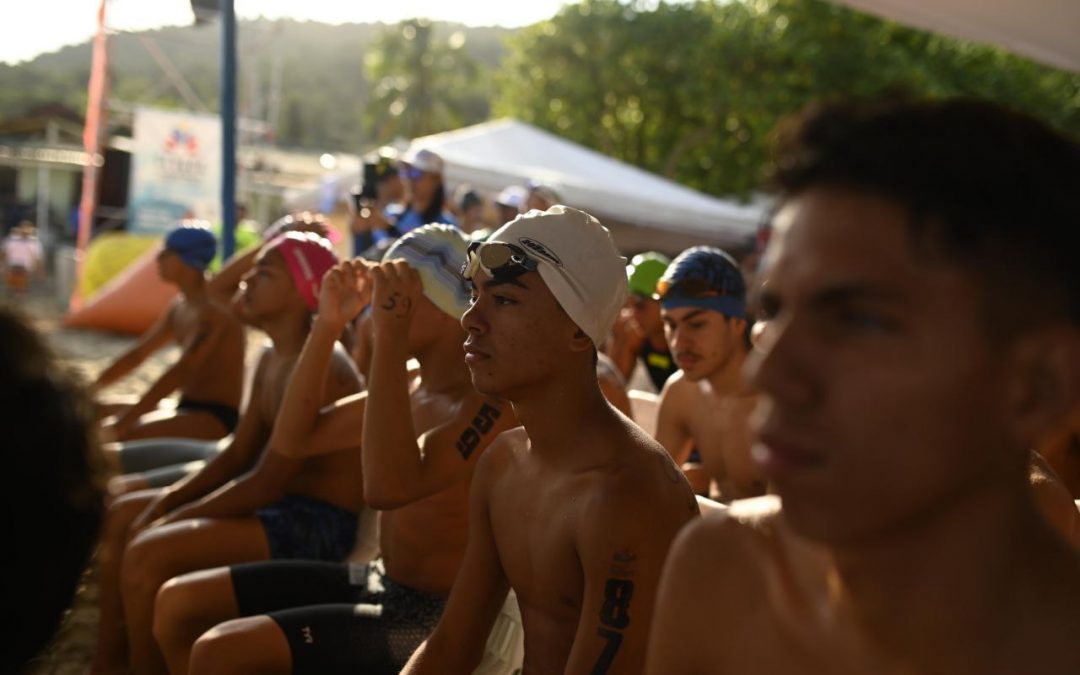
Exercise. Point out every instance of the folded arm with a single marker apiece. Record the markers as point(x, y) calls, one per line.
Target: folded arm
point(261, 486)
point(303, 426)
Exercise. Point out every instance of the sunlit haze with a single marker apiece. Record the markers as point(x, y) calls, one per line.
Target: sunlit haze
point(47, 25)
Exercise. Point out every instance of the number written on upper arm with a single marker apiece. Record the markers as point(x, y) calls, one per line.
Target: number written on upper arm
point(615, 610)
point(481, 424)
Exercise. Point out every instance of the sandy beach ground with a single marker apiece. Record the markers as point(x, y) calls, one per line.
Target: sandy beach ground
point(87, 352)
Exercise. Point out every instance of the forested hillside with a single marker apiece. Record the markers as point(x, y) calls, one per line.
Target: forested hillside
point(689, 90)
point(324, 89)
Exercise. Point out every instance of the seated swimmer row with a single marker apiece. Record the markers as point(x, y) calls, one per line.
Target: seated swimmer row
point(893, 425)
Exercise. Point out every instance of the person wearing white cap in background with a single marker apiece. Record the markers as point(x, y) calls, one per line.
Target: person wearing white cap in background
point(509, 201)
point(378, 200)
point(422, 172)
point(540, 196)
point(576, 511)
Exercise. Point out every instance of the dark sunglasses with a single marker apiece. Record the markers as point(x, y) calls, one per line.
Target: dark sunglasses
point(498, 259)
point(410, 173)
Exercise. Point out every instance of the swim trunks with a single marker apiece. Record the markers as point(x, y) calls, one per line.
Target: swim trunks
point(154, 453)
point(226, 414)
point(338, 617)
point(163, 461)
point(306, 528)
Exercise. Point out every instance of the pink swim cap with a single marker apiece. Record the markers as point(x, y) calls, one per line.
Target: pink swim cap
point(307, 257)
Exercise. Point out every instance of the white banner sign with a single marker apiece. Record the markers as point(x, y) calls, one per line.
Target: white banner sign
point(176, 169)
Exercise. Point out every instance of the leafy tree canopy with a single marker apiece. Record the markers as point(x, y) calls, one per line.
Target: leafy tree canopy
point(692, 90)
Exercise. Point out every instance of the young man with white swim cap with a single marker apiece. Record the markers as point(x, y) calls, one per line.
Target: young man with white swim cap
point(420, 440)
point(246, 503)
point(922, 334)
point(576, 511)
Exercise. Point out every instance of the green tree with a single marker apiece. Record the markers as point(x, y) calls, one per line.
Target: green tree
point(693, 90)
point(421, 84)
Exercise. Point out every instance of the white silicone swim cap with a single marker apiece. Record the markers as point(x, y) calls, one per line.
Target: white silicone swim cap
point(578, 261)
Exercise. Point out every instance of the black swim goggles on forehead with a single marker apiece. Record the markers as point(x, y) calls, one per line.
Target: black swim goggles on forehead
point(498, 259)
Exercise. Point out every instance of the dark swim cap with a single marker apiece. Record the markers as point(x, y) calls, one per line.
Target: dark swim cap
point(194, 243)
point(703, 277)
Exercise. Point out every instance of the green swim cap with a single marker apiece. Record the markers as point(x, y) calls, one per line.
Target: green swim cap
point(644, 270)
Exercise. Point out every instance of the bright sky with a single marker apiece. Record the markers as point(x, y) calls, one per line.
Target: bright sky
point(41, 26)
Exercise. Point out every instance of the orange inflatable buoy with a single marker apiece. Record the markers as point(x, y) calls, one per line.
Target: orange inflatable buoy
point(129, 303)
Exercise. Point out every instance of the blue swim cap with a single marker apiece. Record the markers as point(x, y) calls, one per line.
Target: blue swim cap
point(703, 277)
point(194, 243)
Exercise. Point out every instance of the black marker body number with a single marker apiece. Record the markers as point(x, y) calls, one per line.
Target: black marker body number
point(481, 424)
point(614, 615)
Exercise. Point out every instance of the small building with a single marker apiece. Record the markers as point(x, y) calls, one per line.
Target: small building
point(41, 168)
point(42, 160)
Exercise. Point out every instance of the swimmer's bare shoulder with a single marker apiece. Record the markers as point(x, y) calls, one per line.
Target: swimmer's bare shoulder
point(508, 449)
point(507, 445)
point(173, 317)
point(646, 460)
point(218, 320)
point(713, 594)
point(679, 388)
point(678, 399)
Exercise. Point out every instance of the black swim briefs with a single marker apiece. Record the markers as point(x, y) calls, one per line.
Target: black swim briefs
point(226, 414)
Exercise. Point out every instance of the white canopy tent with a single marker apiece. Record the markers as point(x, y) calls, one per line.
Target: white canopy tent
point(647, 211)
point(643, 210)
point(1047, 31)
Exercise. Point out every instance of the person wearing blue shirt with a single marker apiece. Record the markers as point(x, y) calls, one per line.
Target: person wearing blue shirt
point(422, 173)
